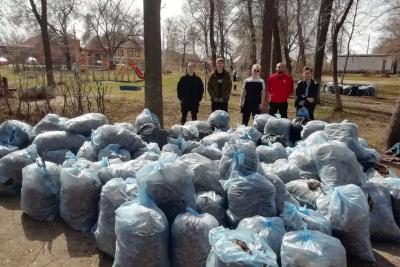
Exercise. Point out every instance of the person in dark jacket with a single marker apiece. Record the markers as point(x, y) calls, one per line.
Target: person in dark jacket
point(190, 93)
point(306, 93)
point(219, 87)
point(253, 95)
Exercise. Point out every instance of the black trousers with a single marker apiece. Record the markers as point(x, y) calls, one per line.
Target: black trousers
point(219, 106)
point(185, 113)
point(247, 113)
point(281, 107)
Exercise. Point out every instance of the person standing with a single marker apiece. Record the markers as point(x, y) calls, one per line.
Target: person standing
point(306, 93)
point(190, 92)
point(279, 88)
point(219, 87)
point(252, 98)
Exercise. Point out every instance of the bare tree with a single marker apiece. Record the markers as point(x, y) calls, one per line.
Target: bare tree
point(112, 24)
point(42, 21)
point(152, 50)
point(302, 46)
point(253, 41)
point(277, 52)
point(266, 39)
point(212, 40)
point(336, 26)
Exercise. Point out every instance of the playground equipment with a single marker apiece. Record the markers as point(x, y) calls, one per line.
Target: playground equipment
point(123, 70)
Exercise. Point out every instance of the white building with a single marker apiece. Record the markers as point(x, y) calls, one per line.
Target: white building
point(377, 63)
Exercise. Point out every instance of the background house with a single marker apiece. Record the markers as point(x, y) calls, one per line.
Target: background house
point(368, 63)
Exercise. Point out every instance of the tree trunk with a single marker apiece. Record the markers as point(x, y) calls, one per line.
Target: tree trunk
point(266, 45)
point(393, 134)
point(285, 43)
point(67, 52)
point(212, 40)
point(152, 53)
point(324, 19)
point(302, 46)
point(221, 27)
point(277, 52)
point(253, 41)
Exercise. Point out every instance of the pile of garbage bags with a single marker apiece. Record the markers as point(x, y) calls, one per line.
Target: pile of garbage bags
point(278, 193)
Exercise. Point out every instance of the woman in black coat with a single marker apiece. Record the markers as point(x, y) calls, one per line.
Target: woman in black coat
point(306, 93)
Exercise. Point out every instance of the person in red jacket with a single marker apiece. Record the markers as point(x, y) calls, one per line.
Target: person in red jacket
point(279, 88)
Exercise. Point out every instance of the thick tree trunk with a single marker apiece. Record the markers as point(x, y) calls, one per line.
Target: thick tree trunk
point(324, 19)
point(266, 45)
point(277, 52)
point(393, 134)
point(283, 23)
point(253, 41)
point(212, 40)
point(152, 53)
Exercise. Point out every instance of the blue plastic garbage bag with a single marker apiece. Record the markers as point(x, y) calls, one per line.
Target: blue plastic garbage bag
point(279, 127)
point(6, 149)
point(212, 203)
point(300, 218)
point(260, 120)
point(284, 170)
point(270, 229)
point(219, 119)
point(302, 159)
point(218, 137)
point(114, 151)
point(80, 192)
point(346, 207)
point(142, 234)
point(146, 117)
point(189, 238)
point(312, 249)
point(113, 194)
point(306, 191)
point(40, 192)
point(15, 133)
point(312, 127)
point(87, 152)
point(212, 151)
point(58, 140)
point(269, 154)
point(245, 133)
point(239, 248)
point(169, 182)
point(85, 123)
point(50, 122)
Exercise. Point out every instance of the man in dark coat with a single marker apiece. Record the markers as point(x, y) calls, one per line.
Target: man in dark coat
point(306, 93)
point(190, 92)
point(219, 87)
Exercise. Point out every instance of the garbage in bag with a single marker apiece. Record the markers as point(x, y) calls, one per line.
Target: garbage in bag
point(55, 156)
point(297, 127)
point(111, 134)
point(113, 151)
point(6, 149)
point(146, 117)
point(245, 133)
point(200, 125)
point(346, 207)
point(50, 122)
point(58, 140)
point(190, 145)
point(126, 125)
point(152, 133)
point(80, 191)
point(72, 160)
point(40, 192)
point(142, 234)
point(219, 138)
point(153, 148)
point(187, 132)
point(312, 127)
point(212, 203)
point(312, 249)
point(282, 194)
point(301, 158)
point(269, 154)
point(121, 170)
point(363, 142)
point(337, 164)
point(212, 151)
point(347, 133)
point(169, 182)
point(85, 123)
point(249, 196)
point(260, 120)
point(284, 170)
point(11, 167)
point(219, 119)
point(316, 138)
point(189, 238)
point(15, 133)
point(280, 127)
point(113, 194)
point(240, 156)
point(382, 225)
point(270, 139)
point(87, 152)
point(206, 173)
point(306, 191)
point(270, 229)
point(301, 218)
point(172, 148)
point(239, 248)
point(393, 185)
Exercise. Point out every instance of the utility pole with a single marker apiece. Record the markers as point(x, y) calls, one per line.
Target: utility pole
point(369, 37)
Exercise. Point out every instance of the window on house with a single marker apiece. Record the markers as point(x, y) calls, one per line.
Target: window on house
point(130, 53)
point(120, 52)
point(137, 52)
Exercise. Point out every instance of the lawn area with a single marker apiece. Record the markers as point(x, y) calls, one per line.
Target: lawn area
point(372, 114)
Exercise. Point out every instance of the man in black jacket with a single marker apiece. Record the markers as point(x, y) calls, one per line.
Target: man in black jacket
point(190, 92)
point(306, 93)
